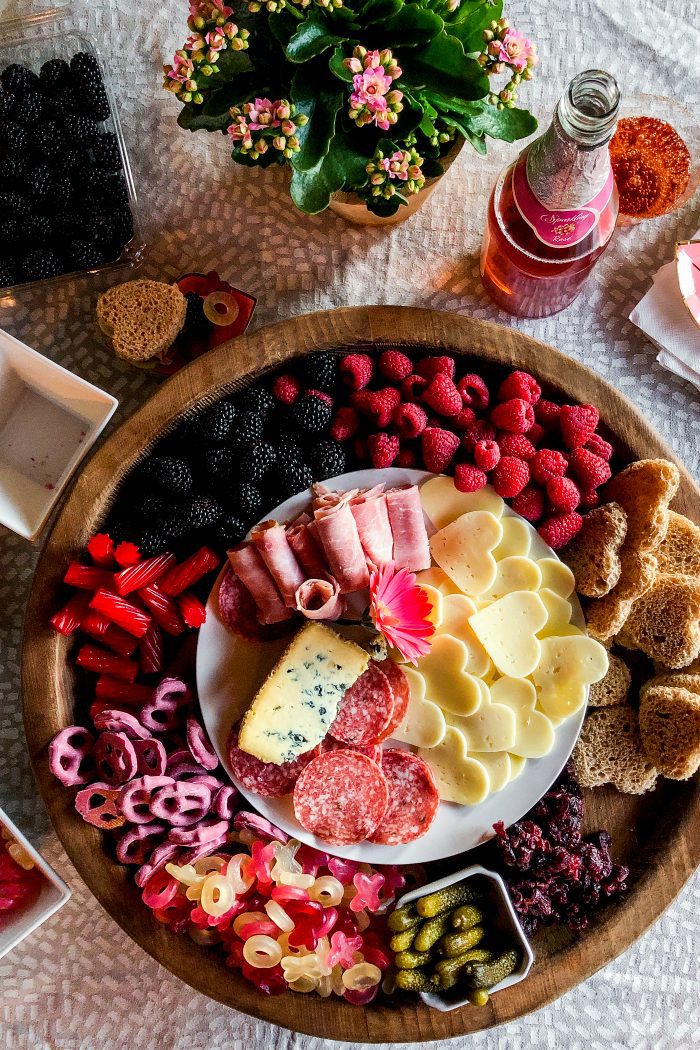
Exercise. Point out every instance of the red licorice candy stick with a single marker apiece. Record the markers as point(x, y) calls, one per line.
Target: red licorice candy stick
point(70, 617)
point(99, 628)
point(107, 688)
point(143, 573)
point(92, 658)
point(191, 609)
point(151, 650)
point(121, 612)
point(163, 609)
point(189, 571)
point(87, 577)
point(101, 548)
point(95, 624)
point(127, 554)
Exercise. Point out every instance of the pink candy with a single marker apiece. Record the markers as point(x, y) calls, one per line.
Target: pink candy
point(223, 802)
point(181, 804)
point(367, 896)
point(202, 750)
point(150, 757)
point(115, 721)
point(343, 869)
point(135, 798)
point(259, 825)
point(70, 756)
point(208, 830)
point(134, 846)
point(115, 757)
point(98, 805)
point(343, 950)
point(166, 710)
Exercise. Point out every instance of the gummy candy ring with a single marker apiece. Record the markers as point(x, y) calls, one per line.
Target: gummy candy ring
point(279, 916)
point(205, 831)
point(262, 952)
point(181, 804)
point(115, 757)
point(70, 756)
point(135, 798)
point(217, 895)
point(114, 721)
point(150, 757)
point(327, 890)
point(98, 805)
point(201, 749)
point(134, 845)
point(221, 308)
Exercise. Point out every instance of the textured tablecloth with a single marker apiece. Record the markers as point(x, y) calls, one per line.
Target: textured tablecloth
point(80, 982)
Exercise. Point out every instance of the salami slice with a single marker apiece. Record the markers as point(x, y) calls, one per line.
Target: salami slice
point(402, 695)
point(265, 778)
point(240, 615)
point(413, 798)
point(341, 796)
point(372, 751)
point(365, 710)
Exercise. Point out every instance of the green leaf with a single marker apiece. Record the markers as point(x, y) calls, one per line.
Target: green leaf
point(231, 64)
point(335, 64)
point(378, 10)
point(463, 128)
point(342, 167)
point(432, 168)
point(484, 119)
point(283, 24)
point(312, 38)
point(319, 98)
point(442, 66)
point(472, 19)
point(386, 208)
point(411, 26)
point(193, 118)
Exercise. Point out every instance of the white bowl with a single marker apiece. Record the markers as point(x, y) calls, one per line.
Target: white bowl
point(49, 418)
point(53, 895)
point(504, 918)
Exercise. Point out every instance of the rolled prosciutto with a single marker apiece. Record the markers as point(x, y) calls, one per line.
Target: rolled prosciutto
point(307, 550)
point(325, 498)
point(337, 532)
point(411, 547)
point(319, 600)
point(255, 577)
point(372, 519)
point(270, 539)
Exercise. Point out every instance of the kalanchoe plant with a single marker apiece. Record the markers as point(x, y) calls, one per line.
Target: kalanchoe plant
point(365, 96)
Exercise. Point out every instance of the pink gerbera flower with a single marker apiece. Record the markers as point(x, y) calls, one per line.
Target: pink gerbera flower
point(399, 609)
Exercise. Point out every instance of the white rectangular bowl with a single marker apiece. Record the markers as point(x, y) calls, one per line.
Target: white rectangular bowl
point(53, 895)
point(49, 419)
point(504, 919)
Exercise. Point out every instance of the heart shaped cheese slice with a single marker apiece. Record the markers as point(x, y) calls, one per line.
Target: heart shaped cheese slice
point(443, 503)
point(424, 724)
point(456, 611)
point(566, 668)
point(435, 577)
point(464, 550)
point(517, 765)
point(515, 573)
point(558, 615)
point(534, 733)
point(557, 576)
point(498, 765)
point(508, 628)
point(459, 777)
point(448, 683)
point(517, 538)
point(434, 596)
point(492, 728)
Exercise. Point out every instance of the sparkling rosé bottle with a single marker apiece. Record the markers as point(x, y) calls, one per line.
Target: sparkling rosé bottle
point(553, 211)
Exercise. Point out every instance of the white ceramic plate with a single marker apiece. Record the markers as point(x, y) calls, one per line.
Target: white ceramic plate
point(231, 669)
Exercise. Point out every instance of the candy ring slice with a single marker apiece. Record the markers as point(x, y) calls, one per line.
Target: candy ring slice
point(221, 308)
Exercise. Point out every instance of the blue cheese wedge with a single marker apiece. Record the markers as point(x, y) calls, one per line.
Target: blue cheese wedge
point(296, 705)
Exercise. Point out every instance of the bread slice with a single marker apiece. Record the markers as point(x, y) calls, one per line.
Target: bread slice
point(692, 668)
point(680, 550)
point(612, 689)
point(669, 723)
point(594, 554)
point(141, 319)
point(674, 679)
point(609, 751)
point(665, 622)
point(606, 616)
point(644, 490)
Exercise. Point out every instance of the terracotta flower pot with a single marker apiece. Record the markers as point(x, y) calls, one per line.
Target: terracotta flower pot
point(352, 208)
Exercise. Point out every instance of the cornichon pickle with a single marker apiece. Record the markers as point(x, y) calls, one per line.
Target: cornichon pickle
point(401, 941)
point(453, 944)
point(403, 918)
point(478, 997)
point(485, 975)
point(441, 900)
point(411, 960)
point(431, 931)
point(416, 981)
point(447, 969)
point(466, 916)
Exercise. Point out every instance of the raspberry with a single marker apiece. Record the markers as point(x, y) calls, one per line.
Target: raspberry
point(563, 494)
point(346, 423)
point(473, 391)
point(548, 464)
point(515, 445)
point(510, 476)
point(521, 385)
point(529, 503)
point(481, 430)
point(558, 530)
point(469, 478)
point(286, 389)
point(383, 449)
point(589, 497)
point(394, 365)
point(535, 433)
point(600, 446)
point(356, 370)
point(442, 396)
point(377, 405)
point(589, 469)
point(406, 458)
point(486, 456)
point(321, 395)
point(429, 367)
point(547, 414)
point(516, 416)
point(464, 419)
point(438, 447)
point(412, 387)
point(359, 447)
point(410, 420)
point(578, 423)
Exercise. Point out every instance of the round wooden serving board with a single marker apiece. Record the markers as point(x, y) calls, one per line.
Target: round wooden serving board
point(658, 836)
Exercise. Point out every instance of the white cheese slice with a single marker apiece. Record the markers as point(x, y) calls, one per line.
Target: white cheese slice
point(443, 503)
point(463, 549)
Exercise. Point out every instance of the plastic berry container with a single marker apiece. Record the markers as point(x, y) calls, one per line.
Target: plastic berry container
point(31, 41)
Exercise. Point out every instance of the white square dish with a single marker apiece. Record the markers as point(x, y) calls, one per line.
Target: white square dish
point(49, 418)
point(53, 895)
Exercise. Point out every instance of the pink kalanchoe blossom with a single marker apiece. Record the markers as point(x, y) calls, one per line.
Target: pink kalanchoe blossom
point(183, 68)
point(516, 50)
point(372, 100)
point(210, 9)
point(399, 609)
point(262, 114)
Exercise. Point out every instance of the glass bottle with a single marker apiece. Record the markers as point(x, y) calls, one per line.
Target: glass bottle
point(553, 211)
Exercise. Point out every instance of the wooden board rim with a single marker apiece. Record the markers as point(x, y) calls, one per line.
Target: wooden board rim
point(45, 674)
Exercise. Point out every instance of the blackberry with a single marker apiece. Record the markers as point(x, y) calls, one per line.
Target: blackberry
point(150, 541)
point(115, 189)
point(247, 500)
point(198, 512)
point(195, 321)
point(83, 255)
point(36, 228)
point(64, 100)
point(105, 150)
point(216, 422)
point(54, 74)
point(28, 108)
point(320, 371)
point(80, 129)
point(15, 165)
point(13, 203)
point(169, 473)
point(13, 136)
point(40, 264)
point(248, 430)
point(94, 100)
point(288, 453)
point(75, 162)
point(257, 462)
point(8, 273)
point(296, 478)
point(10, 230)
point(259, 400)
point(229, 531)
point(17, 79)
point(47, 140)
point(7, 101)
point(39, 182)
point(220, 464)
point(85, 69)
point(154, 508)
point(95, 183)
point(312, 413)
point(67, 223)
point(327, 459)
point(123, 225)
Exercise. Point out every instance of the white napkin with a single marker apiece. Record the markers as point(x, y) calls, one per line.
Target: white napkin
point(664, 318)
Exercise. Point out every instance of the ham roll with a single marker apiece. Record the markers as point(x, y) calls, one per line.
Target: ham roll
point(337, 532)
point(307, 550)
point(319, 600)
point(255, 577)
point(270, 539)
point(371, 516)
point(411, 547)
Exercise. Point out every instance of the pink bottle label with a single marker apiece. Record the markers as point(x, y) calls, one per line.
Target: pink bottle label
point(562, 227)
